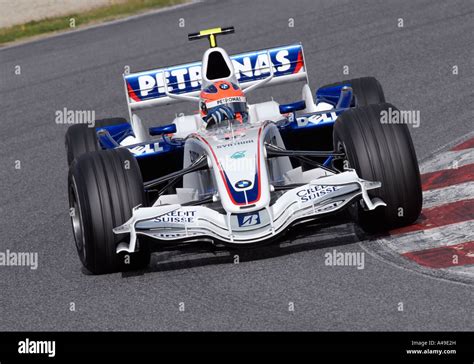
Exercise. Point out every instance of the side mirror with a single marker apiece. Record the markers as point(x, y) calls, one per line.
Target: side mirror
point(294, 106)
point(164, 129)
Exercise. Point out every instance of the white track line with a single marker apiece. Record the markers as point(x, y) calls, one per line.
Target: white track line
point(442, 196)
point(432, 238)
point(448, 160)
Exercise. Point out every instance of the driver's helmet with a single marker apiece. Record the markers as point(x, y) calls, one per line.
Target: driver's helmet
point(223, 100)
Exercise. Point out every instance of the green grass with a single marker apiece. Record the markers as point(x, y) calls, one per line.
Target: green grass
point(34, 28)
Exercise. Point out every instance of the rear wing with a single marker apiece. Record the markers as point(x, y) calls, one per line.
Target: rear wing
point(146, 89)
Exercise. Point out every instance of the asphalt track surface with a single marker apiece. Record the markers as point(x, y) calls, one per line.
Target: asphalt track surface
point(82, 70)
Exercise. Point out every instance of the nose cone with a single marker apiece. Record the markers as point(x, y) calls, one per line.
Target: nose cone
point(240, 172)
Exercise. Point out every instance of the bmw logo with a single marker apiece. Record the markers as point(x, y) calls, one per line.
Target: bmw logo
point(243, 184)
point(224, 86)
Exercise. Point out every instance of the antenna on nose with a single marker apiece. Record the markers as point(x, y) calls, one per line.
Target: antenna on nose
point(211, 34)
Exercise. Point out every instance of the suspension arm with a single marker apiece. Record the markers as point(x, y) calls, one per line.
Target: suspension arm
point(197, 165)
point(274, 151)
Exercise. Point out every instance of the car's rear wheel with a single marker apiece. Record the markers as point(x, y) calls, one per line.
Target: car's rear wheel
point(366, 90)
point(104, 187)
point(82, 138)
point(385, 153)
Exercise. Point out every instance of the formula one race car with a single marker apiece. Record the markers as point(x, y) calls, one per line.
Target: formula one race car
point(235, 173)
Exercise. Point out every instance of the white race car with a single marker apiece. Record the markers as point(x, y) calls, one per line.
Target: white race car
point(236, 182)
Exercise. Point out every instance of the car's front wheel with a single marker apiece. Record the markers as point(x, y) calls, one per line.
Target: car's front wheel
point(104, 187)
point(385, 153)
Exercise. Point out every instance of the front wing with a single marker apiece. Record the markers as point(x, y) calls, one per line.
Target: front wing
point(176, 222)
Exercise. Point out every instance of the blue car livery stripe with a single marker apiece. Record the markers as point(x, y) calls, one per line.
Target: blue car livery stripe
point(239, 195)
